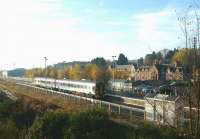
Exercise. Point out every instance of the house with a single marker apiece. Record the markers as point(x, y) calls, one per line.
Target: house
point(163, 109)
point(144, 73)
point(159, 72)
point(123, 71)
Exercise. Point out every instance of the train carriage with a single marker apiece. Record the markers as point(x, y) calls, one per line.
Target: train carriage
point(84, 87)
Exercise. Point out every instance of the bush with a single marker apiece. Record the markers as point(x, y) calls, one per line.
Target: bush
point(95, 124)
point(6, 108)
point(24, 119)
point(51, 125)
point(8, 130)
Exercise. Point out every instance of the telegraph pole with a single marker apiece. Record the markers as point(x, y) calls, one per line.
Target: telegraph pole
point(113, 72)
point(45, 68)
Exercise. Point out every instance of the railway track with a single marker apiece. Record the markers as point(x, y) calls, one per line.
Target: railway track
point(119, 109)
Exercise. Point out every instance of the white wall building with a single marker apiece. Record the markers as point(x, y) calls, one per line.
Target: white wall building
point(163, 109)
point(120, 85)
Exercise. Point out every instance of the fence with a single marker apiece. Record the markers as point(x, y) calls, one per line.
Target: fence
point(118, 109)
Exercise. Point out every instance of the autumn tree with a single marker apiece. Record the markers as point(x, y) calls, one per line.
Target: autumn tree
point(183, 56)
point(60, 74)
point(36, 72)
point(52, 73)
point(93, 72)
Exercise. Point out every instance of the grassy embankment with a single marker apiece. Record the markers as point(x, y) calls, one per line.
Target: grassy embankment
point(38, 115)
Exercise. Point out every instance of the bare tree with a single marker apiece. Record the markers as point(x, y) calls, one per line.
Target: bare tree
point(189, 24)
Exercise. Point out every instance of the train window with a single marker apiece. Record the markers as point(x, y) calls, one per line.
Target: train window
point(65, 84)
point(93, 88)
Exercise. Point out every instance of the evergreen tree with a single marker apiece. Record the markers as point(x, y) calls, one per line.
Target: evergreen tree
point(122, 60)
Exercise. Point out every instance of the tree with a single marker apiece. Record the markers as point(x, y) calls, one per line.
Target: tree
point(122, 60)
point(32, 73)
point(183, 56)
point(60, 74)
point(150, 59)
point(170, 55)
point(100, 62)
point(51, 125)
point(52, 73)
point(159, 57)
point(95, 72)
point(189, 57)
point(140, 61)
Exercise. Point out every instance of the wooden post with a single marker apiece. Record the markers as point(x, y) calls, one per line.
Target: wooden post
point(119, 112)
point(131, 114)
point(100, 104)
point(109, 110)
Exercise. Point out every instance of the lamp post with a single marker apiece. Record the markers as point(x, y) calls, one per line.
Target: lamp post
point(113, 72)
point(45, 66)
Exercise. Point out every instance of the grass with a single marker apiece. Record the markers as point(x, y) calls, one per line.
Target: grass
point(42, 100)
point(45, 100)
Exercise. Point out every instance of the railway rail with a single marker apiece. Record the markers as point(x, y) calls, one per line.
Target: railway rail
point(122, 110)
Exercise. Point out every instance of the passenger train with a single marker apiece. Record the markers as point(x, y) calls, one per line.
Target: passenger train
point(83, 87)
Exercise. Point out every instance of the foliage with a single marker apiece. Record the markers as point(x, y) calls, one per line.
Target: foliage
point(36, 72)
point(95, 72)
point(151, 59)
point(24, 119)
point(95, 124)
point(140, 61)
point(6, 107)
point(89, 124)
point(100, 62)
point(8, 130)
point(122, 60)
point(183, 56)
point(170, 54)
point(51, 125)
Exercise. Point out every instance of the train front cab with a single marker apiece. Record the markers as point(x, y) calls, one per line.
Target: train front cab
point(100, 90)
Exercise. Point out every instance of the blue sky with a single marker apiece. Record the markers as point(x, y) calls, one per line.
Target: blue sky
point(67, 30)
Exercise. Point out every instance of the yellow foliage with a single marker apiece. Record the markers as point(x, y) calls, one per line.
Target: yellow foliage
point(183, 56)
point(90, 71)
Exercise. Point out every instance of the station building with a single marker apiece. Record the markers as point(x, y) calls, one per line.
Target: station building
point(120, 85)
point(163, 109)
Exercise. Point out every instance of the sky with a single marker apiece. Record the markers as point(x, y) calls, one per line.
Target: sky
point(80, 30)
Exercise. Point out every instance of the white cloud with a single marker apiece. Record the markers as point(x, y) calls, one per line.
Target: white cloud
point(156, 30)
point(32, 29)
point(28, 33)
